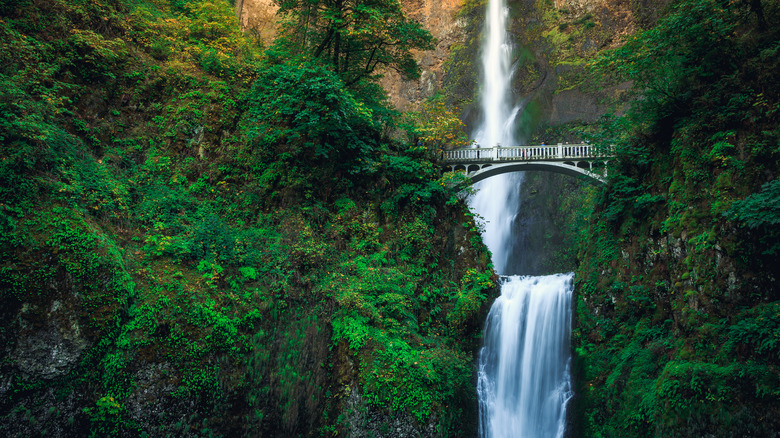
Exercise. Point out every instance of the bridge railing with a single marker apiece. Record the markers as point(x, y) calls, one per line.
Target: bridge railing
point(527, 153)
point(469, 154)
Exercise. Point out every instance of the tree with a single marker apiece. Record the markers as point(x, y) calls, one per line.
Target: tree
point(306, 133)
point(355, 37)
point(435, 127)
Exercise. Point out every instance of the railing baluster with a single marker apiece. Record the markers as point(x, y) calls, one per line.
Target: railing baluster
point(528, 153)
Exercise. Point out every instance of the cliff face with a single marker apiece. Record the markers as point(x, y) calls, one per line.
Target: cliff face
point(436, 16)
point(439, 17)
point(259, 16)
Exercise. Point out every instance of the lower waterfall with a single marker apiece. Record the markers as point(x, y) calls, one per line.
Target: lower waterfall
point(524, 379)
point(523, 382)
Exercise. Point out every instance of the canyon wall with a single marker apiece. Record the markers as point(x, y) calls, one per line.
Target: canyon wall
point(437, 16)
point(553, 42)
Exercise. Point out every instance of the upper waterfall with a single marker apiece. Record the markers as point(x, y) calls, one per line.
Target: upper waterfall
point(496, 98)
point(497, 199)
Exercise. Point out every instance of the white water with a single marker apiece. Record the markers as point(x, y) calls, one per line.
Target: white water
point(497, 198)
point(523, 384)
point(497, 110)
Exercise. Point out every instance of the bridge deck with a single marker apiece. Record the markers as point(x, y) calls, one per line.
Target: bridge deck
point(559, 152)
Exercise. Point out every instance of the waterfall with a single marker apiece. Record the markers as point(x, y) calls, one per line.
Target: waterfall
point(524, 379)
point(497, 198)
point(524, 382)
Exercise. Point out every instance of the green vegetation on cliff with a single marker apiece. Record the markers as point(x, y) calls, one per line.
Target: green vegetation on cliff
point(356, 38)
point(198, 238)
point(678, 311)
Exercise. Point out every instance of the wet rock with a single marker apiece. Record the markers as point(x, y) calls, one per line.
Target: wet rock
point(362, 422)
point(51, 347)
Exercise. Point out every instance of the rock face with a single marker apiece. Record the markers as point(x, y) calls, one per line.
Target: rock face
point(45, 341)
point(439, 18)
point(361, 422)
point(258, 15)
point(558, 41)
point(553, 41)
point(54, 347)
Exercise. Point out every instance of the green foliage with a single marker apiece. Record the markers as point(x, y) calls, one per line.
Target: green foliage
point(205, 32)
point(415, 187)
point(80, 253)
point(355, 38)
point(416, 380)
point(105, 417)
point(303, 110)
point(690, 44)
point(396, 316)
point(435, 126)
point(757, 333)
point(300, 116)
point(96, 57)
point(677, 290)
point(220, 249)
point(470, 298)
point(761, 211)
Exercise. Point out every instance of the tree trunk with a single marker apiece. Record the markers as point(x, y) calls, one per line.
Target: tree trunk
point(239, 5)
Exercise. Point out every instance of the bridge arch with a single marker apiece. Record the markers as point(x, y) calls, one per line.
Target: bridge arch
point(544, 166)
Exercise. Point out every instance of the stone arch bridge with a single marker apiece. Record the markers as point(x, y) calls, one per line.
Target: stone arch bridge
point(576, 160)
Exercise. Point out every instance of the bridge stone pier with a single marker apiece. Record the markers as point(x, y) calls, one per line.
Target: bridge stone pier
point(576, 160)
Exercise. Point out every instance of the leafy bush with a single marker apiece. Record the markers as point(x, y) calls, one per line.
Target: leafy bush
point(761, 212)
point(301, 116)
point(302, 111)
point(757, 333)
